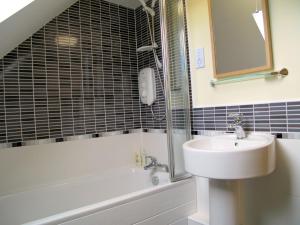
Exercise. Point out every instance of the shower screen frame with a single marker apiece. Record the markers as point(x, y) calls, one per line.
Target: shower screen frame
point(180, 22)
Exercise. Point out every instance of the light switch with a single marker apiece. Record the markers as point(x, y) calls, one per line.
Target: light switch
point(200, 59)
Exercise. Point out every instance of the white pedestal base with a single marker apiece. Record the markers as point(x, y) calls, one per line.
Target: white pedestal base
point(224, 207)
point(197, 219)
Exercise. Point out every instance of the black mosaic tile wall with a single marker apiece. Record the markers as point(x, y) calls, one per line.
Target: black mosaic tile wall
point(75, 76)
point(78, 75)
point(278, 117)
point(146, 59)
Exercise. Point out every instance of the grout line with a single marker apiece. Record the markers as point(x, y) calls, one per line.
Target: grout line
point(254, 118)
point(103, 77)
point(112, 60)
point(19, 92)
point(137, 60)
point(121, 69)
point(287, 117)
point(4, 102)
point(92, 63)
point(82, 72)
point(70, 71)
point(33, 87)
point(58, 79)
point(131, 69)
point(269, 119)
point(46, 78)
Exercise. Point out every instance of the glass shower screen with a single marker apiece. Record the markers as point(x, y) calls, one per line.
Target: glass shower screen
point(176, 83)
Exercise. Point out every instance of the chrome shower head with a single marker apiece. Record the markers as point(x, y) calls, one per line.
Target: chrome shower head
point(142, 2)
point(153, 3)
point(146, 8)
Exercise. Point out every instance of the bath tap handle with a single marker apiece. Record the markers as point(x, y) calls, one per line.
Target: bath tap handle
point(153, 161)
point(154, 164)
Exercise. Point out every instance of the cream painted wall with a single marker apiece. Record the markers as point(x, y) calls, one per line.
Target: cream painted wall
point(285, 17)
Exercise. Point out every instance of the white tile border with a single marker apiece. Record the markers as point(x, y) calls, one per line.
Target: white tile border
point(78, 137)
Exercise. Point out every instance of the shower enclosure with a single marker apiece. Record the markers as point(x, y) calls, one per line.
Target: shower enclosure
point(176, 79)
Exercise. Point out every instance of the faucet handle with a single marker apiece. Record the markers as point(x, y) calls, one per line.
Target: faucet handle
point(237, 118)
point(230, 125)
point(152, 164)
point(153, 160)
point(235, 115)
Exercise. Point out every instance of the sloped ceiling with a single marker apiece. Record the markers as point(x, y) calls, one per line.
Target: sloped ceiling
point(33, 16)
point(22, 24)
point(8, 8)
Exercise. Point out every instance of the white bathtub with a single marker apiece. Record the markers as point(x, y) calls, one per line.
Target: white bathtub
point(121, 197)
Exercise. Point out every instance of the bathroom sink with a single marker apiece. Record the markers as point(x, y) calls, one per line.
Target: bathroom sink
point(225, 157)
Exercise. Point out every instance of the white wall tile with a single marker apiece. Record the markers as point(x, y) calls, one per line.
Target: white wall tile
point(155, 144)
point(50, 163)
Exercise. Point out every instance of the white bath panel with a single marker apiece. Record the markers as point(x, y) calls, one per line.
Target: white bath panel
point(197, 219)
point(137, 211)
point(175, 216)
point(181, 222)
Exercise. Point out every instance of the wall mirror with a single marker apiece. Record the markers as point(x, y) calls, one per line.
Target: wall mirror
point(240, 36)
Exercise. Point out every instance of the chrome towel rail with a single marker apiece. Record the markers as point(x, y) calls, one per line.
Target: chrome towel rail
point(281, 73)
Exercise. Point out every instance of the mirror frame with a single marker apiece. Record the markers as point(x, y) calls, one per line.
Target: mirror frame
point(268, 46)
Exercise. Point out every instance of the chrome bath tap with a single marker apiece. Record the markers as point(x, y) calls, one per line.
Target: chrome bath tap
point(154, 164)
point(237, 125)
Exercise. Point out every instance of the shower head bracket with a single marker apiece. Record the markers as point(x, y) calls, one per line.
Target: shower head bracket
point(147, 48)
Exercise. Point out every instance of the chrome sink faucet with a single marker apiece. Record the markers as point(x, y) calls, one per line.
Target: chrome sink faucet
point(237, 125)
point(154, 164)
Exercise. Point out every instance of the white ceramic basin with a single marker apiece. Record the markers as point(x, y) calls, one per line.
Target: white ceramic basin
point(225, 157)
